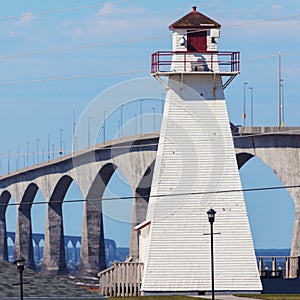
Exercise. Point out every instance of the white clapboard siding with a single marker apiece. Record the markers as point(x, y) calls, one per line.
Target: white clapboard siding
point(196, 155)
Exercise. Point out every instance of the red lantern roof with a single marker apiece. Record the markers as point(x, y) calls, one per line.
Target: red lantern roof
point(194, 19)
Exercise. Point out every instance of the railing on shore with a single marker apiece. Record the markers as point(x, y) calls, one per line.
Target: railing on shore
point(277, 266)
point(122, 279)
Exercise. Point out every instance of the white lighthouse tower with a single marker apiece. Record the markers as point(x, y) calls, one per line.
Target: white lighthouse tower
point(196, 170)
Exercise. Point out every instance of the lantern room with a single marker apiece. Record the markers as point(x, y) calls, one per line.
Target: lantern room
point(195, 32)
point(194, 49)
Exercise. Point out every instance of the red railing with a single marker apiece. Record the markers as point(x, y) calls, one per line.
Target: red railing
point(184, 61)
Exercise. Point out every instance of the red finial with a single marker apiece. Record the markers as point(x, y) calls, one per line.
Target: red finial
point(194, 8)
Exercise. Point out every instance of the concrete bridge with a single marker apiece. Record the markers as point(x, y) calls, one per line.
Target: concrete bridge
point(92, 169)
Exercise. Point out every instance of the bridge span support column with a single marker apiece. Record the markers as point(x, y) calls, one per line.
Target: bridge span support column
point(3, 235)
point(54, 262)
point(23, 240)
point(139, 211)
point(4, 199)
point(295, 247)
point(92, 252)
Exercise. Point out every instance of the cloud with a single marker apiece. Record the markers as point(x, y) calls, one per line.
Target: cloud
point(114, 21)
point(25, 19)
point(111, 9)
point(11, 34)
point(65, 23)
point(277, 6)
point(108, 9)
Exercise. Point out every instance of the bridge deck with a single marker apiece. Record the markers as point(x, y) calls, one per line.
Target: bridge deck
point(267, 130)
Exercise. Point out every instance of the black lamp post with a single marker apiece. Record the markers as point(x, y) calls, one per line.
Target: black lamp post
point(211, 218)
point(20, 262)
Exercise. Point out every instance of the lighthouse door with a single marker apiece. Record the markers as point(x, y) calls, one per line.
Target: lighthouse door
point(197, 41)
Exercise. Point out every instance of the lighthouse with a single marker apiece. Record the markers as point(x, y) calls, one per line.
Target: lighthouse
point(196, 170)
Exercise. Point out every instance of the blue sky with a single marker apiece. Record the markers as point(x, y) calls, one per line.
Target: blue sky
point(32, 111)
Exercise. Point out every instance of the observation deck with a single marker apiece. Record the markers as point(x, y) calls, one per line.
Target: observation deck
point(225, 63)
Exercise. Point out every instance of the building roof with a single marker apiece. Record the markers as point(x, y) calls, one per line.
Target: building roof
point(37, 286)
point(194, 19)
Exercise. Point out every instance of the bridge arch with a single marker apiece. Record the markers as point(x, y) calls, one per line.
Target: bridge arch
point(11, 221)
point(281, 154)
point(54, 247)
point(92, 252)
point(267, 208)
point(242, 158)
point(140, 206)
point(23, 240)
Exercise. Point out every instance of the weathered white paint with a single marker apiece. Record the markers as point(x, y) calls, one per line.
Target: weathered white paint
point(196, 155)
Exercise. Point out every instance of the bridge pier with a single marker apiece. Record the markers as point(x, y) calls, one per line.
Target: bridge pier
point(92, 252)
point(3, 235)
point(140, 206)
point(54, 262)
point(4, 199)
point(139, 211)
point(23, 240)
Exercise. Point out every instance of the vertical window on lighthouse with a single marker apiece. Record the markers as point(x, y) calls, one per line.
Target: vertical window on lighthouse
point(197, 41)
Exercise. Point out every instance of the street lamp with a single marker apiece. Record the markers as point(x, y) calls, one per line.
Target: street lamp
point(119, 128)
point(37, 150)
point(121, 118)
point(154, 127)
point(20, 262)
point(141, 115)
point(282, 103)
point(135, 123)
point(18, 164)
point(49, 136)
point(52, 151)
point(104, 120)
point(61, 142)
point(27, 158)
point(89, 131)
point(211, 218)
point(244, 106)
point(8, 161)
point(251, 90)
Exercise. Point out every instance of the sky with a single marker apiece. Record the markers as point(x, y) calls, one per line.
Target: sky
point(56, 60)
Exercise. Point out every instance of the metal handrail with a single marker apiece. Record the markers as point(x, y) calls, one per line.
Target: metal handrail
point(222, 58)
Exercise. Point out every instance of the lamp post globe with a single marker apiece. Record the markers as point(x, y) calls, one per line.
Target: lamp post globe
point(20, 263)
point(211, 215)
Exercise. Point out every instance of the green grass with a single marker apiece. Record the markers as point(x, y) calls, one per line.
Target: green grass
point(271, 297)
point(156, 298)
point(263, 297)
